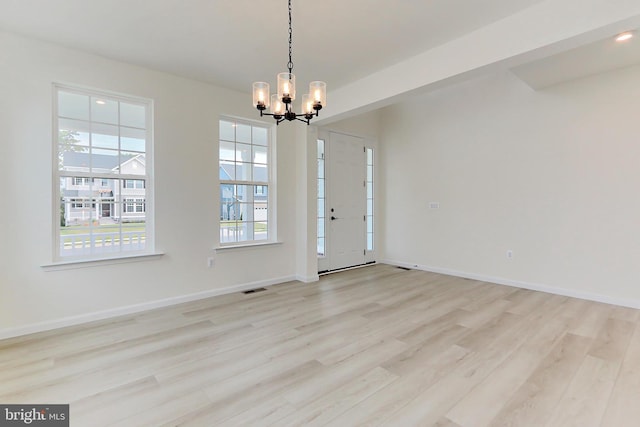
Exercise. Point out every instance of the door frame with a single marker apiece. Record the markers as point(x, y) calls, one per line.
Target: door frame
point(370, 256)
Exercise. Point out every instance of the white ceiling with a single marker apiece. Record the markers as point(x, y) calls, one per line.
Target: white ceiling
point(235, 42)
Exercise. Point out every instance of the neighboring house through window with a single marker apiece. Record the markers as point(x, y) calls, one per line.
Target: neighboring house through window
point(246, 211)
point(103, 144)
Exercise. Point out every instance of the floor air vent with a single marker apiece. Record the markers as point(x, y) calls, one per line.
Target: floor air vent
point(253, 291)
point(404, 268)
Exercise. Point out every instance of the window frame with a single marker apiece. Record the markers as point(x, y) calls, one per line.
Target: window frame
point(98, 179)
point(321, 180)
point(370, 163)
point(270, 184)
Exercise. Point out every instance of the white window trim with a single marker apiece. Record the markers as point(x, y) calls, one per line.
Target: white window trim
point(370, 216)
point(271, 184)
point(324, 179)
point(125, 256)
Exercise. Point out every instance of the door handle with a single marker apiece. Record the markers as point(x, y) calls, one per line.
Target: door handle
point(333, 218)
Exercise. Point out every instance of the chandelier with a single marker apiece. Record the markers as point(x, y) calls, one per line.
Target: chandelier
point(280, 104)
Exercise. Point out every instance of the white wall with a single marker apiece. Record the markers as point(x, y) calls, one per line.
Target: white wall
point(552, 175)
point(186, 129)
point(363, 125)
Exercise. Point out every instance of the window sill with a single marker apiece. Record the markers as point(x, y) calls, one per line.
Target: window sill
point(95, 262)
point(245, 246)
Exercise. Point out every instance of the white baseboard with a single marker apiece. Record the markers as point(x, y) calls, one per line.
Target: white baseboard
point(308, 279)
point(525, 285)
point(135, 308)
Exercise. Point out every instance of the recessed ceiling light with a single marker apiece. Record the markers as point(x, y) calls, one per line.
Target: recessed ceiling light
point(100, 102)
point(623, 37)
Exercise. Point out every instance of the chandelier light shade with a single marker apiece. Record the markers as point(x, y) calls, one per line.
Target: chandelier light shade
point(261, 96)
point(318, 92)
point(277, 107)
point(307, 105)
point(280, 104)
point(287, 87)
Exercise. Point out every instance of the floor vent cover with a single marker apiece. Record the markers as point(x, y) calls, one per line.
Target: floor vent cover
point(404, 268)
point(253, 291)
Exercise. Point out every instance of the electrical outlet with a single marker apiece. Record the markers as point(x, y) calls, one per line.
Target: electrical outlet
point(509, 254)
point(434, 205)
point(210, 262)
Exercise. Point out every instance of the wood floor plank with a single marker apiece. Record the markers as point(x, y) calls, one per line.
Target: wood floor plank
point(419, 355)
point(488, 332)
point(524, 301)
point(266, 412)
point(340, 373)
point(126, 400)
point(381, 406)
point(622, 408)
point(585, 400)
point(484, 313)
point(234, 397)
point(431, 404)
point(370, 346)
point(481, 405)
point(534, 402)
point(589, 322)
point(612, 340)
point(323, 410)
point(445, 422)
point(169, 410)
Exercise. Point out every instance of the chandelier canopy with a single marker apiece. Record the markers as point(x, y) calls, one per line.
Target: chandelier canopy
point(280, 104)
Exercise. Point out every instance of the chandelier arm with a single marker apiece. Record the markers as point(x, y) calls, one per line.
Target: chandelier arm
point(279, 118)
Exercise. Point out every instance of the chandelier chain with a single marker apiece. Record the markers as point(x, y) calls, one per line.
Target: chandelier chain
point(281, 106)
point(290, 63)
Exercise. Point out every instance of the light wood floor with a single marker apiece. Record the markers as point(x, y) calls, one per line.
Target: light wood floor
point(372, 346)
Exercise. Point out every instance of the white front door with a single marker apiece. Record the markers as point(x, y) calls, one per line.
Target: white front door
point(346, 201)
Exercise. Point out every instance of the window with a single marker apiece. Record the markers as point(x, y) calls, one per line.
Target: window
point(321, 199)
point(370, 199)
point(80, 181)
point(82, 204)
point(103, 164)
point(245, 182)
point(134, 205)
point(133, 183)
